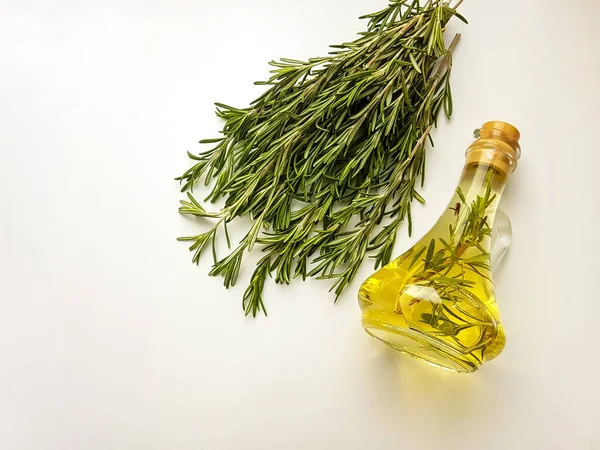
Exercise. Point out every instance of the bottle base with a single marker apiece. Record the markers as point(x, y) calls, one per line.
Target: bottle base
point(419, 346)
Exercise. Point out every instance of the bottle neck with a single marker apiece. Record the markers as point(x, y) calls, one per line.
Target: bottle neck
point(481, 181)
point(489, 162)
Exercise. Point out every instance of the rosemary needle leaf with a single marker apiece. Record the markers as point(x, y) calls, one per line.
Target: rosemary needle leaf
point(331, 140)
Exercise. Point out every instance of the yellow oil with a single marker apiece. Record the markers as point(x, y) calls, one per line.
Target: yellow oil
point(436, 302)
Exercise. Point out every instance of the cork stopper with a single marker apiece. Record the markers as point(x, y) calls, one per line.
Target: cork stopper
point(497, 146)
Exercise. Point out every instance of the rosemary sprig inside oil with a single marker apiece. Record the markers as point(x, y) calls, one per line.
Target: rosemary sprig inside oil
point(435, 269)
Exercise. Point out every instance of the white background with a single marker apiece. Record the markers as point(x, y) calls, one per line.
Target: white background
point(111, 339)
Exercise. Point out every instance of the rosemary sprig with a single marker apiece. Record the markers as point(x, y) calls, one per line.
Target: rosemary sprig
point(443, 266)
point(471, 227)
point(333, 141)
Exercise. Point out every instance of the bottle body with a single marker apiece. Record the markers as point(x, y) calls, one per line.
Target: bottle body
point(436, 302)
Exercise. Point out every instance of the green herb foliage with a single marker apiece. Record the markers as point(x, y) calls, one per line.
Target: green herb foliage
point(332, 148)
point(470, 229)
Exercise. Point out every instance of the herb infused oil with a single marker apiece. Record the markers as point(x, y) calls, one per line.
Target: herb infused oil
point(436, 302)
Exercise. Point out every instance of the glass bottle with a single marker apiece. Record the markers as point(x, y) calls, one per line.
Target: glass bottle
point(436, 302)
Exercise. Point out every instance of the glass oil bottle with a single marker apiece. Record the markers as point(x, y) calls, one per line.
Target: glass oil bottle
point(436, 301)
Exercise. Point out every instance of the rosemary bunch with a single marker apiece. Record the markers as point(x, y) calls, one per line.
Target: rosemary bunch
point(333, 147)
